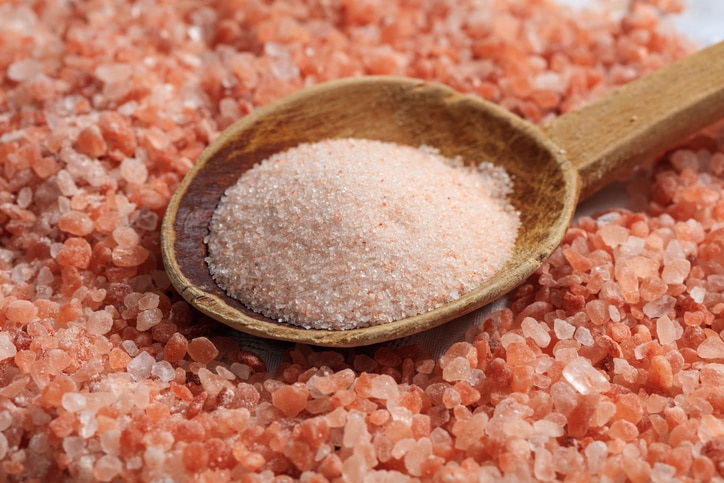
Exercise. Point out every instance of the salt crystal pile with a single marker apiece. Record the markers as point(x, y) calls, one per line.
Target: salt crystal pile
point(606, 365)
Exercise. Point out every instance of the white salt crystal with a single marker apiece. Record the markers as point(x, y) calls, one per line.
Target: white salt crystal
point(659, 307)
point(148, 319)
point(6, 419)
point(583, 335)
point(130, 347)
point(7, 347)
point(140, 366)
point(242, 371)
point(107, 467)
point(154, 457)
point(563, 329)
point(668, 331)
point(73, 446)
point(662, 473)
point(3, 446)
point(688, 379)
point(626, 370)
point(614, 313)
point(113, 73)
point(543, 469)
point(510, 338)
point(25, 197)
point(74, 402)
point(99, 322)
point(537, 331)
point(584, 377)
point(134, 171)
point(111, 442)
point(163, 370)
point(45, 276)
point(88, 423)
point(23, 70)
point(697, 294)
point(66, 183)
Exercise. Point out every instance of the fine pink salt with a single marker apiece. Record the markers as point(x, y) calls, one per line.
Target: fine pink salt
point(348, 233)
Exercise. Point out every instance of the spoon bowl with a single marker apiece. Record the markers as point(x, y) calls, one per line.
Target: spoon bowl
point(551, 169)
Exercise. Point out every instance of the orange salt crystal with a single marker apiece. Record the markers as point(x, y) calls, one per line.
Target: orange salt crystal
point(195, 457)
point(291, 400)
point(90, 141)
point(202, 350)
point(21, 312)
point(660, 373)
point(118, 359)
point(76, 252)
point(129, 256)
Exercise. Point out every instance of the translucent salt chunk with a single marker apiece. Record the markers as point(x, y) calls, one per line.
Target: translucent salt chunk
point(6, 419)
point(99, 322)
point(4, 446)
point(584, 377)
point(697, 294)
point(74, 402)
point(711, 348)
point(7, 347)
point(668, 331)
point(563, 329)
point(88, 423)
point(384, 387)
point(163, 370)
point(660, 307)
point(23, 70)
point(140, 366)
point(583, 335)
point(113, 73)
point(73, 446)
point(536, 331)
point(130, 347)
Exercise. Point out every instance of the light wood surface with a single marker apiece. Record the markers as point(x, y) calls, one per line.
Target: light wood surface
point(620, 129)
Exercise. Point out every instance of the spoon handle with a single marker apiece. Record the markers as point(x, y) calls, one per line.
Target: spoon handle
point(642, 118)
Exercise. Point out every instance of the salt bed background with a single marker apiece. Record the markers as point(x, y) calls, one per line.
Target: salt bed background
point(702, 22)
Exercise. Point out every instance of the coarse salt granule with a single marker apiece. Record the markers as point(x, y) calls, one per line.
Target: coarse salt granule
point(350, 233)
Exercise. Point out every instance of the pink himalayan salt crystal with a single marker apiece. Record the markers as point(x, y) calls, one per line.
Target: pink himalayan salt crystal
point(140, 366)
point(126, 236)
point(148, 319)
point(335, 234)
point(7, 347)
point(202, 350)
point(134, 171)
point(563, 329)
point(21, 312)
point(537, 331)
point(584, 377)
point(711, 348)
point(668, 331)
point(290, 400)
point(129, 256)
point(99, 322)
point(76, 223)
point(457, 369)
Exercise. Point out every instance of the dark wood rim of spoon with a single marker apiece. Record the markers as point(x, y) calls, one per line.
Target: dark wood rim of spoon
point(393, 109)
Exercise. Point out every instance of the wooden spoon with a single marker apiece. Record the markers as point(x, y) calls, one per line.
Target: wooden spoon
point(552, 168)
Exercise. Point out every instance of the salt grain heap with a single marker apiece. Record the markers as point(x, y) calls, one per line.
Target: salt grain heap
point(349, 233)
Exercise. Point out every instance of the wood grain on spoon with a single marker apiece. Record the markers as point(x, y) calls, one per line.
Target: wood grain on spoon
point(617, 131)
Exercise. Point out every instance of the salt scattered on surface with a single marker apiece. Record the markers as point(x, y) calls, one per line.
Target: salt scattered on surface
point(350, 233)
